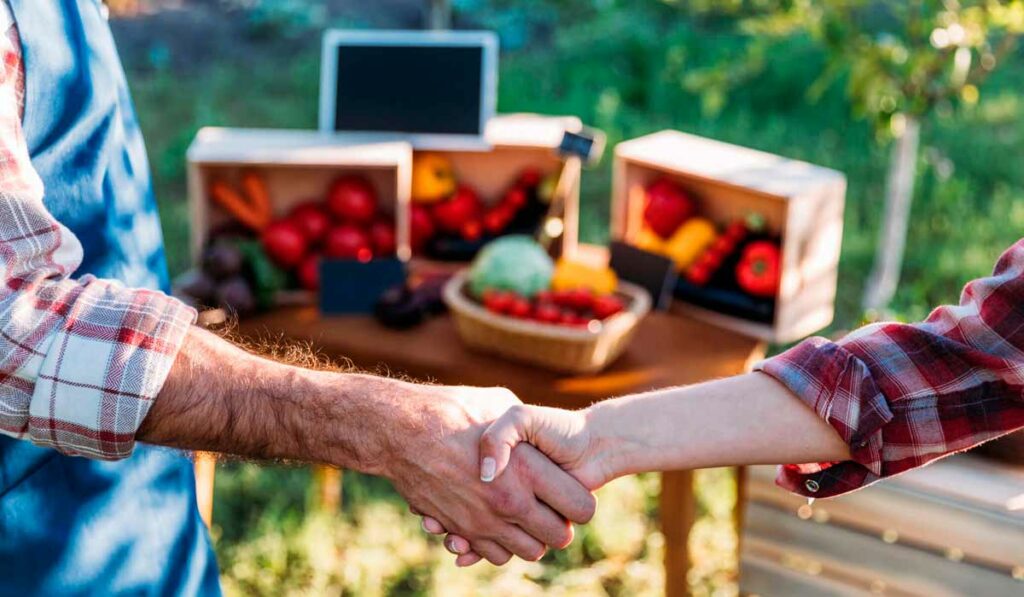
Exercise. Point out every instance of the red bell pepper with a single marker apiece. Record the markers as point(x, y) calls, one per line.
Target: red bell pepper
point(759, 269)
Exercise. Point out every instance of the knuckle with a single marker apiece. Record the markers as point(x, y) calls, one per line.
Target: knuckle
point(507, 504)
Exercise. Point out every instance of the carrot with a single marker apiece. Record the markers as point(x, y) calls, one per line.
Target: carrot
point(244, 211)
point(256, 191)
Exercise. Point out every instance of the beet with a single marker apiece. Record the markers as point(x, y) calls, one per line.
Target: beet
point(235, 294)
point(223, 260)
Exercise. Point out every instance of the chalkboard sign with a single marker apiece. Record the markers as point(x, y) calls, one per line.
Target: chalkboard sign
point(586, 144)
point(434, 89)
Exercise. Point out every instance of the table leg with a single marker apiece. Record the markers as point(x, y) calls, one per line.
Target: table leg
point(678, 507)
point(328, 481)
point(739, 510)
point(205, 469)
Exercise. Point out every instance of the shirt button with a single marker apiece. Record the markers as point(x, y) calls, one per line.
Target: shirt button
point(812, 485)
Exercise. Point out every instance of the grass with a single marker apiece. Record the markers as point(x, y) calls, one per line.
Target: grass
point(620, 71)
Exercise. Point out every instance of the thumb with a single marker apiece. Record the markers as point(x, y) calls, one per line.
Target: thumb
point(498, 440)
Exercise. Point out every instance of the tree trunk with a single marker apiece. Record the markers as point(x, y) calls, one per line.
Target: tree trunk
point(899, 193)
point(440, 16)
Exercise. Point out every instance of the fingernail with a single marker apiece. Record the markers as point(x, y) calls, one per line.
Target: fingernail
point(487, 468)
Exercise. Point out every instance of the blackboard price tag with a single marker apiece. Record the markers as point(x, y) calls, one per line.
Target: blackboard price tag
point(587, 144)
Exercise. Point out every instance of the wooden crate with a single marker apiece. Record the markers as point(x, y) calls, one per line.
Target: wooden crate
point(517, 142)
point(297, 166)
point(955, 527)
point(800, 202)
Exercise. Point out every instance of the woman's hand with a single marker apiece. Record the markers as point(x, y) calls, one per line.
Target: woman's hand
point(564, 436)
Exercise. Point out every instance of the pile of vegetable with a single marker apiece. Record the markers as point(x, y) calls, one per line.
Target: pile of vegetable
point(250, 260)
point(449, 220)
point(515, 277)
point(736, 270)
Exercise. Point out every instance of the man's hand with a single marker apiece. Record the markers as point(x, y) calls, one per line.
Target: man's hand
point(220, 398)
point(436, 468)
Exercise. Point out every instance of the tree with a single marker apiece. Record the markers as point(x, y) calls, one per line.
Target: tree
point(899, 60)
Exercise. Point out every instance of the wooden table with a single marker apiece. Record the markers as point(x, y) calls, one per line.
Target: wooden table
point(668, 350)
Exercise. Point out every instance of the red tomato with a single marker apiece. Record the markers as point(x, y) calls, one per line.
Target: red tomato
point(497, 219)
point(351, 199)
point(451, 215)
point(284, 243)
point(382, 238)
point(606, 306)
point(520, 308)
point(515, 198)
point(547, 313)
point(348, 242)
point(544, 297)
point(421, 227)
point(668, 206)
point(472, 230)
point(312, 220)
point(309, 273)
point(530, 177)
point(498, 301)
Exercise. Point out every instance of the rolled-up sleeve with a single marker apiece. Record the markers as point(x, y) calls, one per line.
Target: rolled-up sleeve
point(81, 360)
point(903, 395)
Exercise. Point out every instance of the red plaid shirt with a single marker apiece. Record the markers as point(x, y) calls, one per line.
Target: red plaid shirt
point(905, 395)
point(81, 360)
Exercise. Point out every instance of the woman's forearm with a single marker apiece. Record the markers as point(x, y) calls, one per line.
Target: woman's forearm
point(748, 419)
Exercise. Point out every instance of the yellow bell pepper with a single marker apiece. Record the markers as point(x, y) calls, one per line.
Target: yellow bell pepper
point(689, 241)
point(649, 241)
point(572, 275)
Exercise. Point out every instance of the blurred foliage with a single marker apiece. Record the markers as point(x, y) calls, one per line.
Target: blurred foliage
point(626, 66)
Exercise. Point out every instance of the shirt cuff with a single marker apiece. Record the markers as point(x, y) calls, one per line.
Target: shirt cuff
point(838, 386)
point(104, 367)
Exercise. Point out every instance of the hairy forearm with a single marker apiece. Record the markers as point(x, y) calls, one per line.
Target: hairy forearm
point(220, 398)
point(748, 419)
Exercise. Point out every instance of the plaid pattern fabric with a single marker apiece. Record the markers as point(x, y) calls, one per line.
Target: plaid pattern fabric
point(80, 360)
point(905, 395)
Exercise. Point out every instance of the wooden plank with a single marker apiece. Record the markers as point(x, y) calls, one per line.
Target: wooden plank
point(922, 508)
point(723, 163)
point(844, 557)
point(281, 147)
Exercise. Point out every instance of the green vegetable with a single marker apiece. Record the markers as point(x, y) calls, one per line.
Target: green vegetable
point(267, 278)
point(515, 263)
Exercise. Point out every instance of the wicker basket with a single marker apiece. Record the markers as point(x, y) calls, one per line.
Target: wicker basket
point(571, 350)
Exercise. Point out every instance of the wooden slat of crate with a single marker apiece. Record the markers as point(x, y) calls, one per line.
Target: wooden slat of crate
point(963, 503)
point(780, 545)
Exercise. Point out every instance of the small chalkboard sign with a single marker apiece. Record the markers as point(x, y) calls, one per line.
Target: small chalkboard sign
point(348, 286)
point(655, 273)
point(585, 143)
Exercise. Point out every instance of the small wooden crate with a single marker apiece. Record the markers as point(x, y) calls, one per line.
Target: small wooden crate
point(955, 527)
point(297, 166)
point(800, 202)
point(517, 142)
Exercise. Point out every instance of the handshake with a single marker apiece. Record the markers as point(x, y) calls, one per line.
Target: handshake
point(501, 478)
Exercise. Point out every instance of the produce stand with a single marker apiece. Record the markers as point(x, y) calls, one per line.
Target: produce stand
point(668, 350)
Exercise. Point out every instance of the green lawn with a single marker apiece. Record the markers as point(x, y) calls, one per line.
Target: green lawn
point(620, 72)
